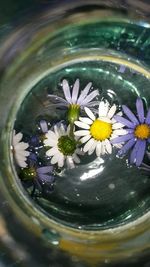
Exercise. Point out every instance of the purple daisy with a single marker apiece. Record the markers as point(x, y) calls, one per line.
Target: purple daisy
point(75, 97)
point(137, 135)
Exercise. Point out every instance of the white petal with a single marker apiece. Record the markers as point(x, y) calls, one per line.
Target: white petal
point(23, 153)
point(61, 161)
point(86, 120)
point(62, 130)
point(82, 125)
point(81, 133)
point(75, 91)
point(76, 158)
point(21, 146)
point(88, 145)
point(98, 149)
point(22, 164)
point(113, 121)
point(57, 131)
point(89, 113)
point(113, 136)
point(84, 93)
point(54, 159)
point(66, 90)
point(112, 111)
point(119, 113)
point(85, 138)
point(20, 157)
point(50, 142)
point(118, 146)
point(106, 119)
point(21, 161)
point(91, 150)
point(103, 108)
point(70, 162)
point(17, 138)
point(53, 151)
point(103, 151)
point(51, 135)
point(79, 152)
point(117, 125)
point(108, 146)
point(120, 132)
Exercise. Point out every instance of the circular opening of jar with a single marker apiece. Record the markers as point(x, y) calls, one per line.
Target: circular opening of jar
point(80, 140)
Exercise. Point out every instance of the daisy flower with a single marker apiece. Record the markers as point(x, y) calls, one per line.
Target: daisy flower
point(138, 133)
point(40, 174)
point(19, 149)
point(97, 131)
point(75, 100)
point(62, 147)
point(37, 177)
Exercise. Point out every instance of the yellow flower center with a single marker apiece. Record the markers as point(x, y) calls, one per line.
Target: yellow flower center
point(100, 130)
point(142, 131)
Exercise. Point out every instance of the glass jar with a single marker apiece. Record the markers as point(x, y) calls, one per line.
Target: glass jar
point(29, 236)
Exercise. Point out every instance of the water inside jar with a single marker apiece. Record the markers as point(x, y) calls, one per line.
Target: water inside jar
point(100, 192)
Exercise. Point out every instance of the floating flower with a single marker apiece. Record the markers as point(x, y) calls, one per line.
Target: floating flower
point(97, 132)
point(76, 100)
point(138, 132)
point(42, 174)
point(37, 177)
point(19, 150)
point(84, 99)
point(62, 147)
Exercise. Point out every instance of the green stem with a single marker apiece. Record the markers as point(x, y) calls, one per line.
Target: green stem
point(71, 130)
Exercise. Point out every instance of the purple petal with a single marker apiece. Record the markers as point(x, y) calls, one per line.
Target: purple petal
point(44, 126)
point(122, 138)
point(90, 97)
point(93, 103)
point(140, 109)
point(57, 99)
point(124, 121)
point(66, 90)
point(134, 152)
point(75, 91)
point(130, 114)
point(126, 147)
point(130, 130)
point(46, 178)
point(147, 120)
point(122, 69)
point(45, 169)
point(138, 151)
point(84, 93)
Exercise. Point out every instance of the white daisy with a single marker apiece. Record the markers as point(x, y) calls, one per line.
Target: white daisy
point(19, 150)
point(62, 147)
point(97, 131)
